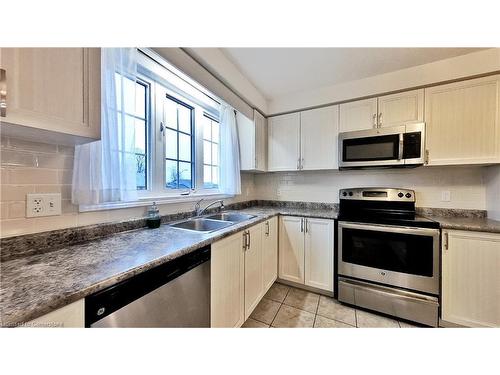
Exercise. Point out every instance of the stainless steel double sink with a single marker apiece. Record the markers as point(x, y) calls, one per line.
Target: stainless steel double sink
point(212, 223)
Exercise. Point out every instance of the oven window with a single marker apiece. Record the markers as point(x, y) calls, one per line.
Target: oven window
point(405, 253)
point(384, 147)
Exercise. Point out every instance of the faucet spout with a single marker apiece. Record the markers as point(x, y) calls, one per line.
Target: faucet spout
point(200, 211)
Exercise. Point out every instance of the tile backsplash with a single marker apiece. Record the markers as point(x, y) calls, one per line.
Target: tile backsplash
point(31, 167)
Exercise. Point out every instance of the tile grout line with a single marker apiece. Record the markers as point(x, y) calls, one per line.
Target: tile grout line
point(281, 304)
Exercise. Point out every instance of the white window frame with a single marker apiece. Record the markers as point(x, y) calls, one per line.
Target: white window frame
point(155, 72)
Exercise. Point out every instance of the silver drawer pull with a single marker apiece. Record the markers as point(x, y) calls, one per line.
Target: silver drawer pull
point(3, 93)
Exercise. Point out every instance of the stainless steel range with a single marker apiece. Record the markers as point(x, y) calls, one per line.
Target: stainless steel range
point(388, 257)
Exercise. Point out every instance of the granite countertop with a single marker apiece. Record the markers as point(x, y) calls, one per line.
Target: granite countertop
point(479, 224)
point(34, 285)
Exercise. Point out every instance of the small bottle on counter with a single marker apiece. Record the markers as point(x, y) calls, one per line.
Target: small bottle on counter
point(153, 220)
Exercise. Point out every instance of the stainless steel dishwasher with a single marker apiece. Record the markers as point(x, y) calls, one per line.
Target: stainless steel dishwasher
point(175, 294)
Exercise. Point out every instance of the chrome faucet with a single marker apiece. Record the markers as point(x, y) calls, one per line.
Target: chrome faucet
point(200, 211)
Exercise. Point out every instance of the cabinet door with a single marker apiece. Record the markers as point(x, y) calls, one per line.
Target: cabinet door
point(471, 279)
point(254, 282)
point(260, 141)
point(227, 269)
point(56, 89)
point(319, 253)
point(462, 122)
point(318, 139)
point(291, 249)
point(402, 108)
point(270, 252)
point(246, 136)
point(358, 115)
point(284, 142)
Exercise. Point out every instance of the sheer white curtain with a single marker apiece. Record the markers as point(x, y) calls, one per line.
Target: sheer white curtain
point(105, 171)
point(230, 179)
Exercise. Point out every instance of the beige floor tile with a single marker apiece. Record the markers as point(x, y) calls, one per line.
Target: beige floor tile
point(277, 292)
point(332, 309)
point(265, 311)
point(369, 320)
point(322, 322)
point(251, 323)
point(407, 325)
point(290, 317)
point(302, 299)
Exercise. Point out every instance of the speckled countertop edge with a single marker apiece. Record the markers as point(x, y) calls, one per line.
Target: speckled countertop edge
point(38, 284)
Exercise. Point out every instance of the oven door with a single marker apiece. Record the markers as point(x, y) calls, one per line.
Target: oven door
point(391, 255)
point(374, 147)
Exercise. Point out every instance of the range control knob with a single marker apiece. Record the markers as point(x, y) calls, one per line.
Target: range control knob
point(344, 193)
point(400, 195)
point(408, 195)
point(350, 193)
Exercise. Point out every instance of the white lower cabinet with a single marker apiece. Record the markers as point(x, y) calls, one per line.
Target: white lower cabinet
point(318, 255)
point(254, 281)
point(306, 251)
point(69, 316)
point(270, 252)
point(227, 275)
point(471, 278)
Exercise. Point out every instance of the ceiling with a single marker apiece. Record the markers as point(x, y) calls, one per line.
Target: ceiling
point(280, 71)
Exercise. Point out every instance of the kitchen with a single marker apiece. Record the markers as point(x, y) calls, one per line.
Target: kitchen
point(203, 187)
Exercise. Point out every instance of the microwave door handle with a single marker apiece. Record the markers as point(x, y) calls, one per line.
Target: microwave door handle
point(400, 151)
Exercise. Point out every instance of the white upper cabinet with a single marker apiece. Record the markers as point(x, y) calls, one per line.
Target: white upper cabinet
point(53, 89)
point(401, 108)
point(358, 115)
point(284, 142)
point(463, 122)
point(388, 110)
point(253, 142)
point(318, 138)
point(471, 278)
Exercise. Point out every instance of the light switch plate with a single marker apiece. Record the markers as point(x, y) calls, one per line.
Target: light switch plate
point(445, 196)
point(40, 204)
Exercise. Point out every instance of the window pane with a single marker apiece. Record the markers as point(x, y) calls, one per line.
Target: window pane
point(118, 87)
point(170, 114)
point(207, 128)
point(184, 119)
point(207, 156)
point(140, 100)
point(129, 95)
point(207, 175)
point(184, 147)
point(215, 154)
point(141, 171)
point(215, 131)
point(184, 175)
point(171, 174)
point(140, 136)
point(170, 144)
point(215, 175)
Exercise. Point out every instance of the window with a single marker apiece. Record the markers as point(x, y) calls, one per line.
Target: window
point(210, 152)
point(135, 103)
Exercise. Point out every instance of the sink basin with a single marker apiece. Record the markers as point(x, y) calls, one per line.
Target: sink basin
point(234, 217)
point(202, 225)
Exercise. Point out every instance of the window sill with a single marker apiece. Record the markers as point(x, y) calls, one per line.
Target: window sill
point(148, 201)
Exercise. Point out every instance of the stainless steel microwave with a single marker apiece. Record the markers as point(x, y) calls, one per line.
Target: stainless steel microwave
point(397, 146)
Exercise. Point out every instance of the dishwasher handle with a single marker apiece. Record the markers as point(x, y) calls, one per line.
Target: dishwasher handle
point(113, 298)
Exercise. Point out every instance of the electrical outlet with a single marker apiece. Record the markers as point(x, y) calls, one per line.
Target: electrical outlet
point(43, 204)
point(445, 196)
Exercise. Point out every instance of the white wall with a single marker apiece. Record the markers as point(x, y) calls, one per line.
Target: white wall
point(465, 184)
point(439, 71)
point(492, 181)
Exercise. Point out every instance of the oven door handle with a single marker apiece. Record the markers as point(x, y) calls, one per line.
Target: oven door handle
point(390, 228)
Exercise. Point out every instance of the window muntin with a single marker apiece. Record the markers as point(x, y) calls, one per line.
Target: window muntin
point(178, 144)
point(211, 151)
point(135, 113)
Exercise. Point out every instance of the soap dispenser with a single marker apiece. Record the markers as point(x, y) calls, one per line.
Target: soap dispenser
point(153, 220)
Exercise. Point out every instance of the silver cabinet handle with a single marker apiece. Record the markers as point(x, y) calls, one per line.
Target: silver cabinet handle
point(306, 224)
point(302, 163)
point(244, 240)
point(374, 120)
point(267, 228)
point(298, 164)
point(380, 119)
point(446, 239)
point(3, 93)
point(301, 224)
point(249, 239)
